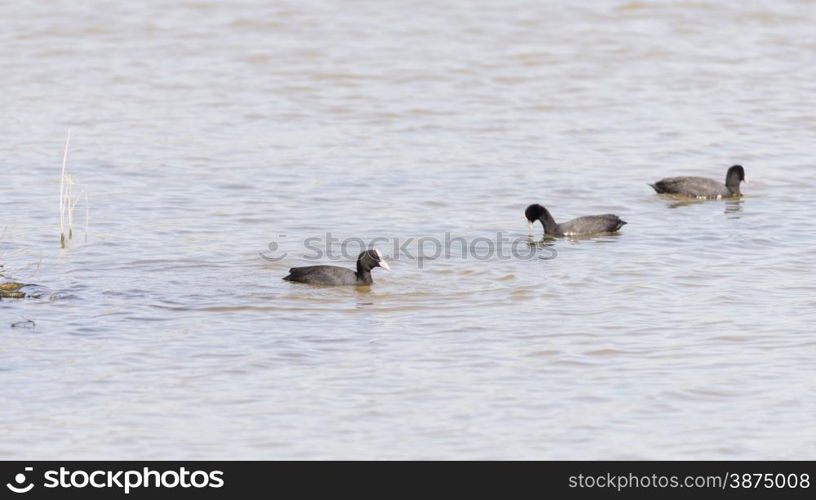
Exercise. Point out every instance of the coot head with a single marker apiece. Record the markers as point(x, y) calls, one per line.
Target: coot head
point(370, 259)
point(535, 212)
point(735, 175)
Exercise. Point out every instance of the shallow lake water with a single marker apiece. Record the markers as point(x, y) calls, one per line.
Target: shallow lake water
point(202, 132)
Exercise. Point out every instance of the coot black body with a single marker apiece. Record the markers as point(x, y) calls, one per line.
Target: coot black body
point(582, 226)
point(703, 187)
point(334, 275)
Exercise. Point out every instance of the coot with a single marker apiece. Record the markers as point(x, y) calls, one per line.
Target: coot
point(582, 226)
point(334, 275)
point(703, 187)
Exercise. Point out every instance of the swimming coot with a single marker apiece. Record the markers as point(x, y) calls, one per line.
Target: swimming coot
point(333, 275)
point(702, 187)
point(582, 226)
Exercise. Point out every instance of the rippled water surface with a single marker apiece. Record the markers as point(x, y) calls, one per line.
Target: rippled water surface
point(203, 131)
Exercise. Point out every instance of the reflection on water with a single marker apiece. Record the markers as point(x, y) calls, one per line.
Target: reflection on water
point(204, 131)
point(684, 202)
point(733, 207)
